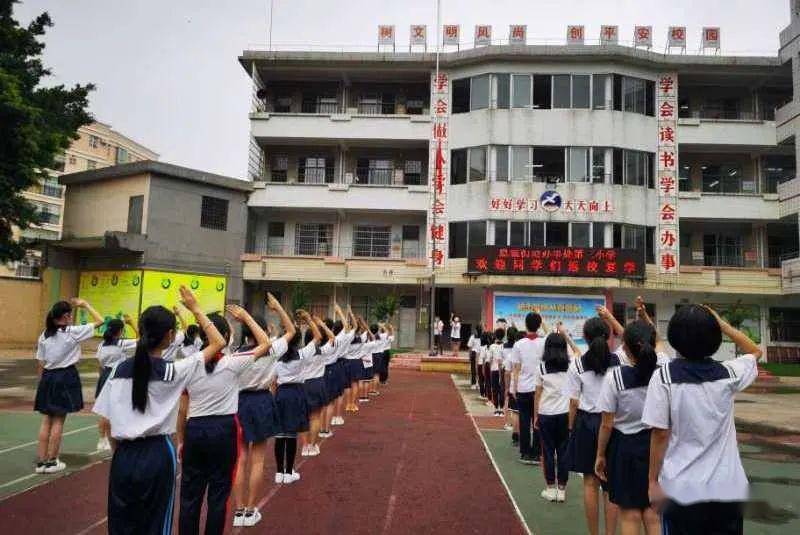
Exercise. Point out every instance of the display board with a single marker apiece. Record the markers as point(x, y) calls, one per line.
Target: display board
point(161, 288)
point(112, 294)
point(557, 261)
point(571, 310)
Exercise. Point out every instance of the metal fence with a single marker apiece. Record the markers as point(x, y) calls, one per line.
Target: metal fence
point(306, 248)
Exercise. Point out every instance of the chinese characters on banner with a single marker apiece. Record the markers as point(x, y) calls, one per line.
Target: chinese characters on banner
point(676, 37)
point(483, 34)
point(643, 36)
point(557, 261)
point(575, 35)
point(667, 224)
point(609, 35)
point(575, 206)
point(451, 34)
point(517, 34)
point(418, 35)
point(439, 165)
point(711, 37)
point(386, 35)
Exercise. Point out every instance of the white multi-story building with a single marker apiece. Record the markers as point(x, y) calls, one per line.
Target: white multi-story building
point(341, 155)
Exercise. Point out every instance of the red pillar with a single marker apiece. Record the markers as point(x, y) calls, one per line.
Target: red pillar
point(488, 308)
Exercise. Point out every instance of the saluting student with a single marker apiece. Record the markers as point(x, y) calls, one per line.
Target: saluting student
point(584, 380)
point(59, 390)
point(525, 357)
point(314, 383)
point(335, 375)
point(480, 358)
point(112, 350)
point(258, 416)
point(388, 339)
point(512, 422)
point(455, 333)
point(355, 366)
point(696, 475)
point(140, 399)
point(209, 438)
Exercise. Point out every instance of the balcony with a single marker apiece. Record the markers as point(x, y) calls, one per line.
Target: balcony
point(746, 130)
point(53, 191)
point(339, 196)
point(789, 197)
point(790, 275)
point(738, 206)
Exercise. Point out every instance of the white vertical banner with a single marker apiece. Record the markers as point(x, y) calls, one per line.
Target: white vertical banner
point(451, 34)
point(575, 34)
point(418, 35)
point(386, 35)
point(609, 35)
point(711, 37)
point(676, 37)
point(667, 228)
point(483, 34)
point(643, 36)
point(517, 34)
point(439, 170)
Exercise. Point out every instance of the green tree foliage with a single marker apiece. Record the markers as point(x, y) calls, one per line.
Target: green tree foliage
point(36, 123)
point(385, 307)
point(301, 296)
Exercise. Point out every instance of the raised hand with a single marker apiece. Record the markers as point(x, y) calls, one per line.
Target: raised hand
point(272, 303)
point(189, 300)
point(76, 302)
point(236, 312)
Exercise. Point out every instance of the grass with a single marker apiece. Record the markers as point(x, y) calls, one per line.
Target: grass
point(782, 370)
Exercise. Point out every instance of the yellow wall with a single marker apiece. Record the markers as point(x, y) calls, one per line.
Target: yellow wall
point(92, 209)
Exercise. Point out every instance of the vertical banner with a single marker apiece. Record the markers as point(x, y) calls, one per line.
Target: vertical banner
point(609, 35)
point(676, 37)
point(711, 37)
point(483, 34)
point(667, 183)
point(517, 34)
point(439, 166)
point(385, 35)
point(575, 35)
point(643, 36)
point(451, 34)
point(418, 36)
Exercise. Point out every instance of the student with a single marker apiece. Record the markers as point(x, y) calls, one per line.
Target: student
point(438, 328)
point(59, 390)
point(525, 357)
point(258, 416)
point(367, 350)
point(512, 422)
point(624, 440)
point(386, 359)
point(584, 380)
point(290, 398)
point(695, 472)
point(208, 440)
point(140, 399)
point(488, 340)
point(191, 341)
point(314, 383)
point(112, 350)
point(551, 415)
point(495, 364)
point(480, 358)
point(455, 333)
point(472, 345)
point(355, 366)
point(337, 376)
point(378, 352)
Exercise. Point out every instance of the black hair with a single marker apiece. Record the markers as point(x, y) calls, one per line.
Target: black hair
point(694, 332)
point(113, 330)
point(512, 335)
point(224, 329)
point(499, 334)
point(337, 327)
point(247, 334)
point(56, 311)
point(293, 352)
point(640, 339)
point(192, 332)
point(154, 324)
point(374, 328)
point(532, 322)
point(479, 330)
point(308, 337)
point(328, 323)
point(598, 356)
point(486, 339)
point(555, 352)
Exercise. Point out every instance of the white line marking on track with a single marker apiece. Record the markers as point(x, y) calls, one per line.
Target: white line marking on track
point(491, 458)
point(23, 478)
point(35, 442)
point(387, 522)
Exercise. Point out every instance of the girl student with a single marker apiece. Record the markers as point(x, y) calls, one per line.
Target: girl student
point(455, 333)
point(191, 341)
point(380, 357)
point(258, 416)
point(209, 438)
point(695, 475)
point(140, 399)
point(59, 390)
point(335, 376)
point(354, 365)
point(314, 384)
point(112, 350)
point(495, 364)
point(512, 422)
point(367, 349)
point(472, 345)
point(551, 414)
point(582, 385)
point(624, 440)
point(290, 399)
point(386, 359)
point(480, 358)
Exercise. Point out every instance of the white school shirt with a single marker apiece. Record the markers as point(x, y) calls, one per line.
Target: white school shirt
point(507, 358)
point(481, 355)
point(471, 342)
point(63, 349)
point(292, 371)
point(438, 326)
point(552, 401)
point(370, 348)
point(340, 343)
point(385, 342)
point(455, 330)
point(171, 351)
point(315, 366)
point(217, 393)
point(528, 354)
point(355, 351)
point(623, 394)
point(495, 357)
point(255, 376)
point(694, 400)
point(167, 381)
point(584, 385)
point(186, 351)
point(111, 355)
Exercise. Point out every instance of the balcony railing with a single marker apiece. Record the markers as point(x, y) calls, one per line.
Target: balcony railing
point(408, 250)
point(50, 190)
point(777, 255)
point(727, 114)
point(376, 176)
point(361, 177)
point(49, 218)
point(25, 271)
point(725, 256)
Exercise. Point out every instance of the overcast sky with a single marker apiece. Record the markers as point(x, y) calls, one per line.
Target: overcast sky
point(167, 75)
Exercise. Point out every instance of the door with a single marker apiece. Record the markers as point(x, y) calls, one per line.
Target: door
point(407, 335)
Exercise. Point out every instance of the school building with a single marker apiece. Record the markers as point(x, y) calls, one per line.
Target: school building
point(514, 166)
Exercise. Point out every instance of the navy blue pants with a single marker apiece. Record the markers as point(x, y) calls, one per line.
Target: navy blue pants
point(141, 486)
point(210, 449)
point(554, 433)
point(529, 446)
point(719, 518)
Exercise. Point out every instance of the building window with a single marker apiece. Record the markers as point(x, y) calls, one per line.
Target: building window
point(458, 166)
point(598, 235)
point(629, 237)
point(650, 245)
point(723, 250)
point(377, 172)
point(503, 90)
point(557, 234)
point(315, 170)
point(518, 233)
point(548, 164)
point(94, 141)
point(369, 104)
point(561, 91)
point(777, 169)
point(214, 213)
point(49, 214)
point(461, 97)
point(457, 239)
point(477, 164)
point(634, 95)
point(275, 237)
point(415, 106)
point(521, 163)
point(578, 164)
point(279, 168)
point(580, 91)
point(599, 165)
point(784, 324)
point(72, 160)
point(412, 173)
point(536, 234)
point(476, 233)
point(501, 162)
point(91, 164)
point(479, 92)
point(638, 168)
point(283, 104)
point(501, 233)
point(313, 239)
point(374, 241)
point(726, 178)
point(542, 91)
point(581, 233)
point(135, 214)
point(522, 91)
point(411, 243)
point(685, 177)
point(599, 92)
point(122, 155)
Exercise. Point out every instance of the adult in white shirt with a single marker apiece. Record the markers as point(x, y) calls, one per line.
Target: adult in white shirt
point(59, 390)
point(525, 358)
point(140, 399)
point(455, 333)
point(695, 472)
point(438, 328)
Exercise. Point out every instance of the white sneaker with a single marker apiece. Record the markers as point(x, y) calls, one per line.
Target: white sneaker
point(238, 518)
point(279, 477)
point(325, 434)
point(291, 478)
point(561, 495)
point(40, 467)
point(473, 387)
point(550, 494)
point(56, 465)
point(337, 420)
point(508, 427)
point(251, 518)
point(314, 450)
point(304, 453)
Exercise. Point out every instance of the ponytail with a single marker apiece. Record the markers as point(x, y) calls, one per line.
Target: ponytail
point(56, 312)
point(112, 332)
point(598, 356)
point(224, 329)
point(639, 338)
point(154, 324)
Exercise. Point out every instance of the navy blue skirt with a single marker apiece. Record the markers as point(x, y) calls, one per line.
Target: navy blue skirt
point(316, 395)
point(377, 362)
point(258, 415)
point(355, 370)
point(101, 380)
point(331, 384)
point(512, 403)
point(292, 409)
point(59, 392)
point(582, 447)
point(368, 373)
point(627, 465)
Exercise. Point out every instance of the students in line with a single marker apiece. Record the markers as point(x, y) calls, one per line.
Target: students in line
point(369, 348)
point(191, 341)
point(455, 333)
point(314, 383)
point(487, 341)
point(551, 415)
point(335, 372)
point(59, 390)
point(140, 399)
point(386, 360)
point(510, 406)
point(525, 357)
point(111, 351)
point(209, 436)
point(473, 344)
point(258, 416)
point(695, 473)
point(381, 356)
point(354, 367)
point(480, 359)
point(495, 365)
point(584, 380)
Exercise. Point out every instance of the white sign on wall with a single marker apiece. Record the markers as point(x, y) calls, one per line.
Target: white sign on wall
point(575, 34)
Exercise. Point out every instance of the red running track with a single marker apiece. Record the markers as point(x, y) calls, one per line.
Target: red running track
point(409, 462)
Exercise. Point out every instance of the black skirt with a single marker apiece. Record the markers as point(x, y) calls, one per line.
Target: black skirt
point(367, 374)
point(627, 465)
point(292, 409)
point(59, 392)
point(258, 415)
point(316, 395)
point(377, 362)
point(101, 379)
point(355, 370)
point(582, 447)
point(331, 384)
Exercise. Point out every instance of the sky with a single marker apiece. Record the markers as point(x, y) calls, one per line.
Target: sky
point(167, 73)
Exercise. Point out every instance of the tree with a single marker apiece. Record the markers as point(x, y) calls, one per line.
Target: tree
point(36, 123)
point(301, 296)
point(385, 307)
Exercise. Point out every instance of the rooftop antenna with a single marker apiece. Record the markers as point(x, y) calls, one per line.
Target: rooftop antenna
point(270, 24)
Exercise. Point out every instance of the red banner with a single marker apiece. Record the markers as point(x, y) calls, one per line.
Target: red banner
point(557, 261)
